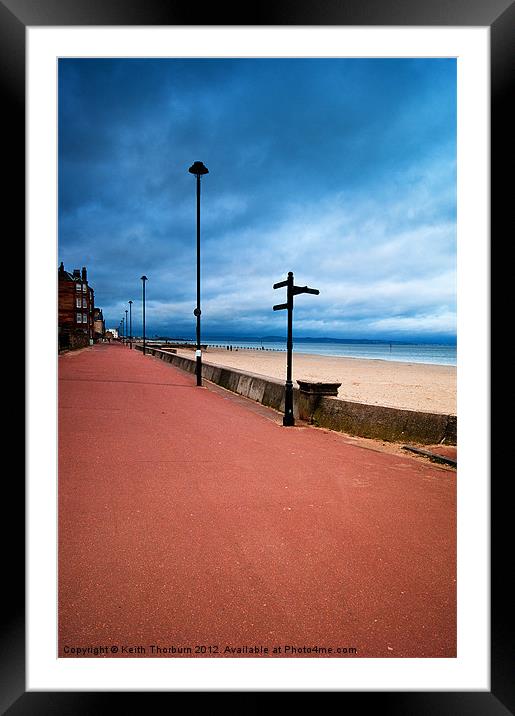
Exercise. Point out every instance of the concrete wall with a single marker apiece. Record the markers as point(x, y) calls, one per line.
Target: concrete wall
point(361, 419)
point(385, 423)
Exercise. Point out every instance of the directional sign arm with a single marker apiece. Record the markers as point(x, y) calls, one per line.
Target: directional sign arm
point(305, 289)
point(280, 306)
point(280, 284)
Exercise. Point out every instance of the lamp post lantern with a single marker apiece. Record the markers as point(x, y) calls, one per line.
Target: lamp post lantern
point(130, 324)
point(198, 169)
point(144, 280)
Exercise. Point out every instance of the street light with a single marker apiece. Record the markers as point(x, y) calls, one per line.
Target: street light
point(126, 325)
point(130, 324)
point(198, 169)
point(144, 279)
point(123, 329)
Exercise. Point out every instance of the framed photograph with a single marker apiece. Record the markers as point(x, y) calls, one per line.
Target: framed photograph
point(45, 50)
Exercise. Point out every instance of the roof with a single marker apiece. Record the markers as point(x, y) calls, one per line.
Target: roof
point(67, 276)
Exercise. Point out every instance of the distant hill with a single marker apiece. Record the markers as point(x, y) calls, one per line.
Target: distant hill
point(336, 340)
point(310, 339)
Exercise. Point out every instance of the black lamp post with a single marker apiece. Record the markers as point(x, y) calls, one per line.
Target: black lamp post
point(198, 169)
point(120, 330)
point(123, 329)
point(144, 279)
point(126, 325)
point(130, 324)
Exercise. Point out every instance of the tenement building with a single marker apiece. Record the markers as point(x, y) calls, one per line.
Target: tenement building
point(99, 326)
point(76, 309)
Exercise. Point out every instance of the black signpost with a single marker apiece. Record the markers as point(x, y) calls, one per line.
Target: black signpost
point(291, 291)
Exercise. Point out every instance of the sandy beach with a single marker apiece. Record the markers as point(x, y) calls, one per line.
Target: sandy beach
point(416, 386)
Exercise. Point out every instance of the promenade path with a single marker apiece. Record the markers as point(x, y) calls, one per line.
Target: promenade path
point(190, 518)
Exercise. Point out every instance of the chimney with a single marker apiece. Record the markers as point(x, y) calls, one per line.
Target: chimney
point(61, 268)
point(76, 273)
point(84, 274)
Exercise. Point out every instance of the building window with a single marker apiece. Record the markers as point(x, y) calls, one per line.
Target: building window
point(78, 303)
point(79, 317)
point(77, 286)
point(84, 288)
point(84, 317)
point(84, 302)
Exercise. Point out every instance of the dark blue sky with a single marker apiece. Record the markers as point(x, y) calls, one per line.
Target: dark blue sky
point(340, 170)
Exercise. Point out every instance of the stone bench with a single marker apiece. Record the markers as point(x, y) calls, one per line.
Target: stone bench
point(310, 394)
point(318, 388)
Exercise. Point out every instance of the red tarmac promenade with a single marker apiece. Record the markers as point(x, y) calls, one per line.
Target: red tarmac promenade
point(191, 518)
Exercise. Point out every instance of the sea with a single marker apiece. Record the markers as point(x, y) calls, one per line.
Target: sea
point(401, 352)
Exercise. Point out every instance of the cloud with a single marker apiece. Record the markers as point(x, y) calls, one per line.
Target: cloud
point(343, 171)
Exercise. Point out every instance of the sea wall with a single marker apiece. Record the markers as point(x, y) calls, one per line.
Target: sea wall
point(360, 419)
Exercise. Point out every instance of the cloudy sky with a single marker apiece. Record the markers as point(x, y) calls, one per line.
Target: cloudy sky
point(340, 170)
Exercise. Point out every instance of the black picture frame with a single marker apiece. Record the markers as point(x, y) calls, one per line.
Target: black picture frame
point(15, 17)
